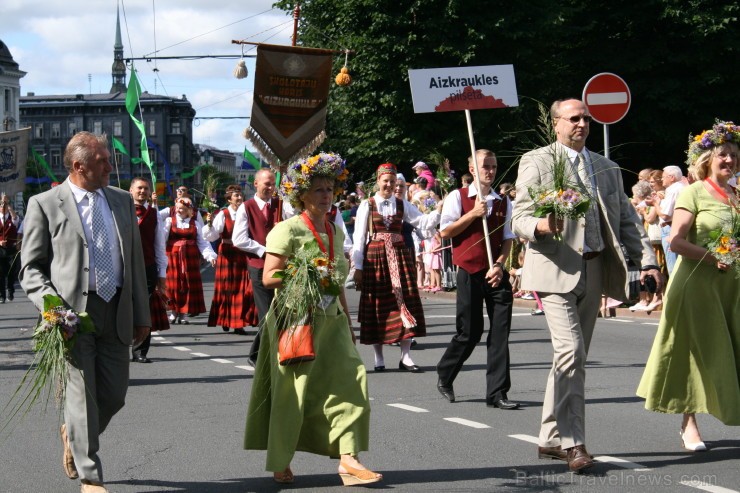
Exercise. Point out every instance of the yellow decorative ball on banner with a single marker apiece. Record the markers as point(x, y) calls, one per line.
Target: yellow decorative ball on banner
point(343, 78)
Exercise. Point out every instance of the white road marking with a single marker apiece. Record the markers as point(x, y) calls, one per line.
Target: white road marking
point(467, 422)
point(621, 462)
point(526, 438)
point(620, 320)
point(406, 407)
point(181, 348)
point(707, 487)
point(200, 355)
point(245, 367)
point(606, 98)
point(219, 360)
point(649, 323)
point(158, 338)
point(155, 333)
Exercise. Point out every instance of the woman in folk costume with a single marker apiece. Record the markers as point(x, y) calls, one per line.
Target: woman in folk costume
point(319, 406)
point(185, 245)
point(233, 302)
point(390, 308)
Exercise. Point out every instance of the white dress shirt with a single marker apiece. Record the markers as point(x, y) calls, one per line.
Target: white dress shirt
point(83, 208)
point(452, 209)
point(240, 237)
point(669, 200)
point(160, 246)
point(203, 246)
point(212, 232)
point(386, 208)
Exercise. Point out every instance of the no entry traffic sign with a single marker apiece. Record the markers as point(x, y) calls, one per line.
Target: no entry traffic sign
point(607, 97)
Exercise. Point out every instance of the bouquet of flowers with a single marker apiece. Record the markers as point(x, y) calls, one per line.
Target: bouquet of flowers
point(426, 202)
point(53, 339)
point(310, 282)
point(561, 197)
point(724, 243)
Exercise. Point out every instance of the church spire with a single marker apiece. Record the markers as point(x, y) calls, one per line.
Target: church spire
point(119, 67)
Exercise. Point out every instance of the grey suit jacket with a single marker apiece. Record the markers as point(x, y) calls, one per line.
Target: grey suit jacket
point(55, 256)
point(555, 266)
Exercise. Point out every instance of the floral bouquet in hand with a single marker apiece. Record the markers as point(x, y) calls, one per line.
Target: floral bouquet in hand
point(425, 202)
point(724, 243)
point(53, 339)
point(561, 197)
point(310, 282)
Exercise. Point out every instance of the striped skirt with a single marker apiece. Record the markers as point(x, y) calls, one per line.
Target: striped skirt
point(184, 284)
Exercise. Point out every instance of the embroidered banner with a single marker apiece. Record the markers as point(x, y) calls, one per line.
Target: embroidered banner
point(13, 156)
point(291, 89)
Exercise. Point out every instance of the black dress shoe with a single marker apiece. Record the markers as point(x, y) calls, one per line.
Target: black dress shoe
point(503, 404)
point(411, 368)
point(224, 328)
point(446, 391)
point(11, 296)
point(380, 368)
point(240, 332)
point(141, 359)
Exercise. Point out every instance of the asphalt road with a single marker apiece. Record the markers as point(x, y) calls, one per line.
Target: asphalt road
point(183, 424)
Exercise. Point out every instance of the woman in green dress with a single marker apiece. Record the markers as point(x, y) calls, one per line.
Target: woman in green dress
point(694, 365)
point(320, 406)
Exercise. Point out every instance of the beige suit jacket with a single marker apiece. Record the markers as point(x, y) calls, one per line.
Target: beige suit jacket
point(54, 255)
point(554, 266)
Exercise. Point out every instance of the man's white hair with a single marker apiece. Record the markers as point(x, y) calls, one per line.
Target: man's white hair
point(673, 171)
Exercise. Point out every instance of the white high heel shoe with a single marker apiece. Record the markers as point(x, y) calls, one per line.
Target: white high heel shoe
point(692, 447)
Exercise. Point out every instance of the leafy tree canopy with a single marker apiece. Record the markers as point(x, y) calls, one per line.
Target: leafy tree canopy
point(677, 56)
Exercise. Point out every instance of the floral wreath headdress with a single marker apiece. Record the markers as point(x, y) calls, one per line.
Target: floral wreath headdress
point(720, 133)
point(297, 179)
point(385, 168)
point(184, 201)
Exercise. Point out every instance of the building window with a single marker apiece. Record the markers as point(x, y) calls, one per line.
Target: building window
point(56, 130)
point(175, 126)
point(117, 157)
point(175, 153)
point(71, 129)
point(152, 128)
point(39, 131)
point(117, 128)
point(97, 127)
point(8, 101)
point(56, 159)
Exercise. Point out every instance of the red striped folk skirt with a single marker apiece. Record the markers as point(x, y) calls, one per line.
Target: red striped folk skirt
point(184, 284)
point(158, 311)
point(380, 318)
point(230, 305)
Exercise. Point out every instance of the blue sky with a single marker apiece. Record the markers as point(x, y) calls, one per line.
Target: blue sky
point(67, 48)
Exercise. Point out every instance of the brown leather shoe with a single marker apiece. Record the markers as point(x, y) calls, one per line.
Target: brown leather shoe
point(68, 461)
point(554, 453)
point(578, 458)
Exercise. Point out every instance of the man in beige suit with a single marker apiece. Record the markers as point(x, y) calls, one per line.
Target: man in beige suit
point(82, 244)
point(570, 274)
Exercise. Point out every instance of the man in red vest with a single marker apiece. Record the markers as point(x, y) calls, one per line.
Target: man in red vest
point(9, 222)
point(155, 261)
point(461, 222)
point(255, 218)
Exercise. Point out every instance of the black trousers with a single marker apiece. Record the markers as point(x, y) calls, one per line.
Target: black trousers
point(152, 278)
point(10, 264)
point(263, 299)
point(472, 291)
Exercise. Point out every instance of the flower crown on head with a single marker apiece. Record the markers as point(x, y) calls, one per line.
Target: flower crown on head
point(385, 168)
point(297, 179)
point(720, 133)
point(184, 201)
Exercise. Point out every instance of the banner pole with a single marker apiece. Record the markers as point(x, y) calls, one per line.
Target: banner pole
point(477, 180)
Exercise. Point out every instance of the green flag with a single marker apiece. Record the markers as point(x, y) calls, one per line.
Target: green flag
point(132, 103)
point(40, 159)
point(118, 145)
point(252, 159)
point(190, 174)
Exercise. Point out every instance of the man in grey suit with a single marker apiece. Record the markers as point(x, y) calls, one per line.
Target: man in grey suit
point(571, 273)
point(82, 244)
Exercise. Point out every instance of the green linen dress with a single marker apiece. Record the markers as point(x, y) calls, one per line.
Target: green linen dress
point(319, 406)
point(694, 364)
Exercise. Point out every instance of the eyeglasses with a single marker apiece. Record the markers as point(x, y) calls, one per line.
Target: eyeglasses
point(182, 190)
point(575, 120)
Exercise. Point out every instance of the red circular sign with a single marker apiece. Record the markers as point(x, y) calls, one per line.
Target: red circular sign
point(607, 97)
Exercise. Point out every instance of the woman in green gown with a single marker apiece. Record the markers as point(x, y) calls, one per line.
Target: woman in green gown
point(694, 365)
point(319, 406)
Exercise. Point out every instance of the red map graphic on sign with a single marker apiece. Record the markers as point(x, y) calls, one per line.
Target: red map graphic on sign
point(469, 99)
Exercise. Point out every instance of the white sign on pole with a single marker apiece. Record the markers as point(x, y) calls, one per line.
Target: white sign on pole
point(463, 88)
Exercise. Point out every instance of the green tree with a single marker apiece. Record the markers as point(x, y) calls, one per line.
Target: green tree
point(676, 56)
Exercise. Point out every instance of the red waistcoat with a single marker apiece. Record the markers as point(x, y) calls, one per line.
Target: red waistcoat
point(147, 230)
point(258, 227)
point(468, 251)
point(9, 232)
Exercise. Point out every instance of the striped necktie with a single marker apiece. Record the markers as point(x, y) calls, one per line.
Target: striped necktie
point(105, 285)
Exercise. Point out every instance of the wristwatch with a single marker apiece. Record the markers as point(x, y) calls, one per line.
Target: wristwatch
point(499, 264)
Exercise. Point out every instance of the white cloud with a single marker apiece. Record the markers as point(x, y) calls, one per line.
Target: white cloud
point(59, 43)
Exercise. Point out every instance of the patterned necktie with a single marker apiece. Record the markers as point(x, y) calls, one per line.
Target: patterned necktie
point(106, 286)
point(593, 226)
point(266, 211)
point(140, 210)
